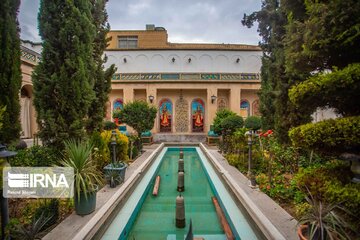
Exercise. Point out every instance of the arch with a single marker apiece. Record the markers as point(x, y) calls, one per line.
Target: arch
point(26, 111)
point(222, 103)
point(197, 115)
point(165, 115)
point(244, 108)
point(255, 108)
point(118, 105)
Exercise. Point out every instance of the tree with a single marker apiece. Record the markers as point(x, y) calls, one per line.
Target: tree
point(231, 123)
point(10, 72)
point(329, 36)
point(277, 111)
point(139, 115)
point(102, 77)
point(253, 123)
point(220, 116)
point(64, 79)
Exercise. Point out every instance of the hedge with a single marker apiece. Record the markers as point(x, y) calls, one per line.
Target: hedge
point(332, 135)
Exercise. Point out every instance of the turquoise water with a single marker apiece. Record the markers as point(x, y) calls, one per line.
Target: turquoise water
point(156, 218)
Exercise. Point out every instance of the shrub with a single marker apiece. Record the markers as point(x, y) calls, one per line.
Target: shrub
point(101, 152)
point(35, 156)
point(49, 209)
point(316, 179)
point(122, 145)
point(220, 116)
point(253, 123)
point(108, 125)
point(231, 123)
point(139, 115)
point(329, 135)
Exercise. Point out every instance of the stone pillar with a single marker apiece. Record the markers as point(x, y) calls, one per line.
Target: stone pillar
point(235, 98)
point(153, 91)
point(128, 94)
point(211, 107)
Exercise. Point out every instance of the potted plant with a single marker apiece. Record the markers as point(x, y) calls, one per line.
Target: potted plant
point(322, 221)
point(78, 155)
point(115, 171)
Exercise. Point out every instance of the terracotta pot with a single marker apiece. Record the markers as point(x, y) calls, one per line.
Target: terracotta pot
point(301, 230)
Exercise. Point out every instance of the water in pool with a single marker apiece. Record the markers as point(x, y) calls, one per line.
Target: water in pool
point(156, 218)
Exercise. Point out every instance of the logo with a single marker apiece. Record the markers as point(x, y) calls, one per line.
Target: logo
point(38, 182)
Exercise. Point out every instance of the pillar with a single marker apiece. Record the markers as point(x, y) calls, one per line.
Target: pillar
point(235, 98)
point(211, 107)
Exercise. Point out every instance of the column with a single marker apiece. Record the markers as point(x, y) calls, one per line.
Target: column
point(235, 98)
point(128, 94)
point(211, 107)
point(152, 91)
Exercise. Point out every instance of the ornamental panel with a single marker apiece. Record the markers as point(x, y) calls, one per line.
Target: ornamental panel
point(182, 115)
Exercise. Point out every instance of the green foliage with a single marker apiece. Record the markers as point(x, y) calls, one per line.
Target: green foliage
point(32, 231)
point(109, 125)
point(64, 79)
point(87, 177)
point(10, 72)
point(2, 111)
point(220, 116)
point(139, 115)
point(280, 187)
point(337, 89)
point(102, 85)
point(324, 221)
point(101, 153)
point(333, 134)
point(253, 123)
point(277, 111)
point(231, 123)
point(122, 146)
point(316, 179)
point(49, 209)
point(35, 156)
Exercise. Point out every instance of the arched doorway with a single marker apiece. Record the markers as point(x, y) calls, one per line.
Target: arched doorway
point(197, 115)
point(118, 105)
point(26, 117)
point(165, 115)
point(244, 108)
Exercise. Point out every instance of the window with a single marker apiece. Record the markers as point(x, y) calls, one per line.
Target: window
point(128, 42)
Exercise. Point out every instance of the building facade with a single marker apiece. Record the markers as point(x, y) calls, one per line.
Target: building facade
point(30, 56)
point(188, 83)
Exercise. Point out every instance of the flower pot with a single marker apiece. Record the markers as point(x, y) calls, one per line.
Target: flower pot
point(85, 205)
point(301, 230)
point(115, 173)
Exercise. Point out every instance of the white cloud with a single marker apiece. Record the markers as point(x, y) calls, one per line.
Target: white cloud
point(208, 21)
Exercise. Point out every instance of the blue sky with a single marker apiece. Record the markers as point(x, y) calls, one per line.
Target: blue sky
point(206, 21)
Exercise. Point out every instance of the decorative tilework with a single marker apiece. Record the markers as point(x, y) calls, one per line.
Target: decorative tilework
point(170, 76)
point(190, 76)
point(28, 56)
point(186, 76)
point(230, 76)
point(130, 76)
point(210, 76)
point(151, 76)
point(116, 76)
point(250, 76)
point(182, 115)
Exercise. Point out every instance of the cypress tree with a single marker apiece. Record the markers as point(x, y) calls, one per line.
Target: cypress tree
point(102, 76)
point(10, 72)
point(277, 111)
point(64, 81)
